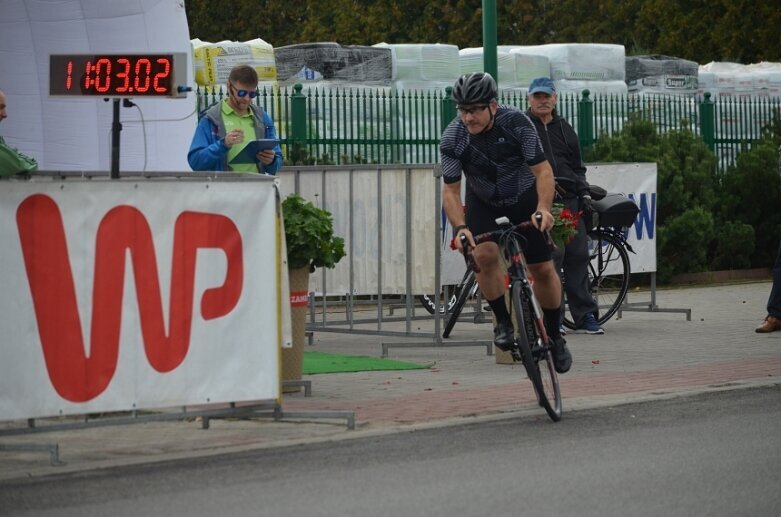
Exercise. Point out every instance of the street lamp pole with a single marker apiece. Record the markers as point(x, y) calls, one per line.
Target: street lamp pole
point(489, 39)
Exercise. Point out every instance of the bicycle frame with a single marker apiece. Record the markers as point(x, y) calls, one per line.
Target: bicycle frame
point(518, 271)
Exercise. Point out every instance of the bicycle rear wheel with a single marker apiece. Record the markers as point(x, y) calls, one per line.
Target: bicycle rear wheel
point(467, 290)
point(428, 301)
point(609, 272)
point(537, 358)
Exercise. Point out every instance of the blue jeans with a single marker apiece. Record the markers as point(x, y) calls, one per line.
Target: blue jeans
point(774, 302)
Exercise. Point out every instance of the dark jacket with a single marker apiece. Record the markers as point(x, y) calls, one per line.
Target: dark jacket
point(560, 143)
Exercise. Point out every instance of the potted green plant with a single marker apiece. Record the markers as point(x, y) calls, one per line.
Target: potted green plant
point(309, 235)
point(311, 243)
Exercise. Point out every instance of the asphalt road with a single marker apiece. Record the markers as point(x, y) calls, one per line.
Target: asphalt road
point(713, 454)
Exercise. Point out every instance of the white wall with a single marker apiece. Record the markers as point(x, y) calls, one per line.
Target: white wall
point(75, 133)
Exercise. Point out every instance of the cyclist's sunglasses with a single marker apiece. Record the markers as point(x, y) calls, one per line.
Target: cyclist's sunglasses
point(469, 110)
point(243, 93)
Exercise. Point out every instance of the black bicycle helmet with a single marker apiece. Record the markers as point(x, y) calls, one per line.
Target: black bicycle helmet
point(474, 88)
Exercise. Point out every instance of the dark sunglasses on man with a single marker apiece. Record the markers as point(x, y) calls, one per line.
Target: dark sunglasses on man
point(243, 93)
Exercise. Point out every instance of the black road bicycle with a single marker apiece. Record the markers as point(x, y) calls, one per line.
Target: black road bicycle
point(609, 271)
point(532, 345)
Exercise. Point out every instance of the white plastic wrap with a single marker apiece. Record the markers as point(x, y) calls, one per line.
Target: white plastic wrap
point(579, 61)
point(425, 61)
point(332, 63)
point(516, 71)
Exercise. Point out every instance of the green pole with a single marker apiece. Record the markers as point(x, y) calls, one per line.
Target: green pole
point(489, 39)
point(298, 114)
point(586, 121)
point(707, 122)
point(298, 127)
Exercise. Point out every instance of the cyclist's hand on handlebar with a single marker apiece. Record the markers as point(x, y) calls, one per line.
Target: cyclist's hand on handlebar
point(542, 220)
point(464, 233)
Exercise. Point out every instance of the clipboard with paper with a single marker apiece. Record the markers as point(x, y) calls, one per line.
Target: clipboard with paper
point(247, 155)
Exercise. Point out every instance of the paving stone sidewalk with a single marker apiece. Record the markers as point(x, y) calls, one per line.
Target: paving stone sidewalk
point(643, 355)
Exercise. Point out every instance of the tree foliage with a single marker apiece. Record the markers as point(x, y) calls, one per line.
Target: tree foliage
point(715, 30)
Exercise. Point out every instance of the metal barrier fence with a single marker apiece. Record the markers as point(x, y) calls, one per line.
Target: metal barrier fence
point(338, 125)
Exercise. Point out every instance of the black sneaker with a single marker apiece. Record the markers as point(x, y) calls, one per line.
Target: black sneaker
point(562, 359)
point(503, 335)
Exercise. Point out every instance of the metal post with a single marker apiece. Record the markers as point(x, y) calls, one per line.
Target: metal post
point(489, 39)
point(298, 129)
point(707, 122)
point(116, 127)
point(586, 120)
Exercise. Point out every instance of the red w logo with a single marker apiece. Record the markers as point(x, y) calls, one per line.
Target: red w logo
point(75, 376)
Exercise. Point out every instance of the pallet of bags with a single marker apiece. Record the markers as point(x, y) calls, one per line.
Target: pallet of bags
point(515, 71)
point(661, 74)
point(579, 61)
point(212, 62)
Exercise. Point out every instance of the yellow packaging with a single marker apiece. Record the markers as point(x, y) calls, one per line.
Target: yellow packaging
point(214, 61)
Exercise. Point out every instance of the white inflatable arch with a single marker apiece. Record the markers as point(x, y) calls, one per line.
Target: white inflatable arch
point(75, 133)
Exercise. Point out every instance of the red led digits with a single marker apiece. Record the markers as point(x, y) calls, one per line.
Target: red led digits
point(159, 76)
point(124, 75)
point(102, 69)
point(143, 71)
point(108, 75)
point(69, 75)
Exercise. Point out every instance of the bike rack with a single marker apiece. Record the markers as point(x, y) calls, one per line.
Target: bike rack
point(649, 306)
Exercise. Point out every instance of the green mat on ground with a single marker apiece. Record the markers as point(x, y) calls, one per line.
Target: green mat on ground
point(321, 362)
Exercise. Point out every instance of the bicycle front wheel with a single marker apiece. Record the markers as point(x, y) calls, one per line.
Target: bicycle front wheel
point(537, 358)
point(609, 272)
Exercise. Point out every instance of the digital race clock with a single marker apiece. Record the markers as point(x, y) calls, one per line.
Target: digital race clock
point(118, 75)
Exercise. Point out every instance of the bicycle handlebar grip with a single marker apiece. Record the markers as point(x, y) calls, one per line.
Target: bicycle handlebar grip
point(468, 258)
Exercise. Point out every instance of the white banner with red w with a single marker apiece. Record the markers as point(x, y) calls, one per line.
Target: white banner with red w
point(121, 295)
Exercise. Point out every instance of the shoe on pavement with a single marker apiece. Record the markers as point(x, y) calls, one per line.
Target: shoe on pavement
point(503, 335)
point(563, 330)
point(590, 326)
point(771, 324)
point(562, 359)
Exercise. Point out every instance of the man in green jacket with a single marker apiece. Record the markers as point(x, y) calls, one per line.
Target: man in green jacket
point(11, 160)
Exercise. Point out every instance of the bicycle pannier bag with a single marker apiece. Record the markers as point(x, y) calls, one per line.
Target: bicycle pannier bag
point(616, 210)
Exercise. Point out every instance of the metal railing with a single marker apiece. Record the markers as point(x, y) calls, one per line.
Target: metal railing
point(338, 125)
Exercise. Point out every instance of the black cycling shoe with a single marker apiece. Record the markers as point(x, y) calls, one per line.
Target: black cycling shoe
point(503, 335)
point(562, 359)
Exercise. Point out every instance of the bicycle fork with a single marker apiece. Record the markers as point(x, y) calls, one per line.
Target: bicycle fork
point(539, 343)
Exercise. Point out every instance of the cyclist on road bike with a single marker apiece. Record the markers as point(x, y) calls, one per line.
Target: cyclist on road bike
point(498, 150)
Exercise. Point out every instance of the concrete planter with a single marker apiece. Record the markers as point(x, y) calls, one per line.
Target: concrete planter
point(293, 358)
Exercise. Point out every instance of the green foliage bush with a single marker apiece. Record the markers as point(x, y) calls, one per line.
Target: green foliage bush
point(682, 243)
point(309, 235)
point(751, 194)
point(705, 221)
point(734, 246)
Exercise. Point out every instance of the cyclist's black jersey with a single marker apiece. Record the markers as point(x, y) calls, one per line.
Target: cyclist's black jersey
point(496, 163)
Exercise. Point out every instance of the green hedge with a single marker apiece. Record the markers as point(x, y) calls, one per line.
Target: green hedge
point(706, 221)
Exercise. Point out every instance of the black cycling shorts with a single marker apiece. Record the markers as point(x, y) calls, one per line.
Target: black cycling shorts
point(481, 218)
